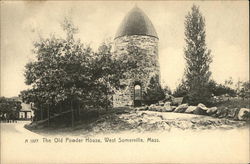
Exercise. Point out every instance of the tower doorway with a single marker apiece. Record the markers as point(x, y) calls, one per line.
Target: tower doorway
point(137, 95)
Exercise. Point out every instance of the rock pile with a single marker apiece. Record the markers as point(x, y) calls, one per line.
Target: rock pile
point(181, 108)
point(151, 121)
point(201, 109)
point(244, 114)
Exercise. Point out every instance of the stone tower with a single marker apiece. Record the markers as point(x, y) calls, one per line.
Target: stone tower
point(136, 30)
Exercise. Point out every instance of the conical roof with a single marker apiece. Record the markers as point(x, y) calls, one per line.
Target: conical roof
point(136, 22)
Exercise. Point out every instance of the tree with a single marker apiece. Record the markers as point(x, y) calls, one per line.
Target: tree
point(167, 90)
point(197, 58)
point(181, 90)
point(107, 72)
point(9, 108)
point(61, 72)
point(154, 91)
point(245, 90)
point(219, 89)
point(246, 85)
point(228, 82)
point(68, 75)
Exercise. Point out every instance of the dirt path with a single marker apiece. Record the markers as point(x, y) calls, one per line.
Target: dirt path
point(149, 121)
point(9, 129)
point(141, 122)
point(176, 146)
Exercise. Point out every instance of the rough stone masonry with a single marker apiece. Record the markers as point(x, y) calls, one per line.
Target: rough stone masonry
point(136, 29)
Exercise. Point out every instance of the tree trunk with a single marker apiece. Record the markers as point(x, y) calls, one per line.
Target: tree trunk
point(60, 111)
point(78, 108)
point(106, 97)
point(41, 112)
point(60, 107)
point(72, 114)
point(48, 115)
point(36, 116)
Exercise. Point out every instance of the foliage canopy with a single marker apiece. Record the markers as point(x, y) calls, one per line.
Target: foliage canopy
point(197, 58)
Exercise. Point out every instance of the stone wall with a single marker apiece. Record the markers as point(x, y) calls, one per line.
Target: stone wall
point(147, 62)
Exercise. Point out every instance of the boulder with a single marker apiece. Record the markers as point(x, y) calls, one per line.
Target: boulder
point(177, 100)
point(201, 109)
point(202, 106)
point(190, 109)
point(156, 108)
point(141, 108)
point(152, 107)
point(159, 108)
point(244, 114)
point(211, 111)
point(167, 104)
point(173, 107)
point(233, 113)
point(181, 108)
point(161, 103)
point(167, 107)
point(222, 112)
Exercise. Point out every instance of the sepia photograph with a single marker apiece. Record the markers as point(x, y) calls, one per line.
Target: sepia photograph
point(124, 82)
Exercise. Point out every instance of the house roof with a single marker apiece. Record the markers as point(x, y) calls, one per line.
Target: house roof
point(25, 107)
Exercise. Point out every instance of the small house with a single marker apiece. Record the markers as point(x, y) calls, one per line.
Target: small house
point(26, 112)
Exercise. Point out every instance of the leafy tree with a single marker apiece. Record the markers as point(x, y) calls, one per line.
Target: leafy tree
point(61, 72)
point(68, 75)
point(246, 85)
point(219, 89)
point(181, 90)
point(245, 90)
point(228, 82)
point(133, 60)
point(154, 91)
point(167, 90)
point(9, 107)
point(108, 71)
point(197, 58)
point(136, 63)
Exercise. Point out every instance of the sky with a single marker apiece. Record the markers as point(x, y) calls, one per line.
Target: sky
point(227, 34)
